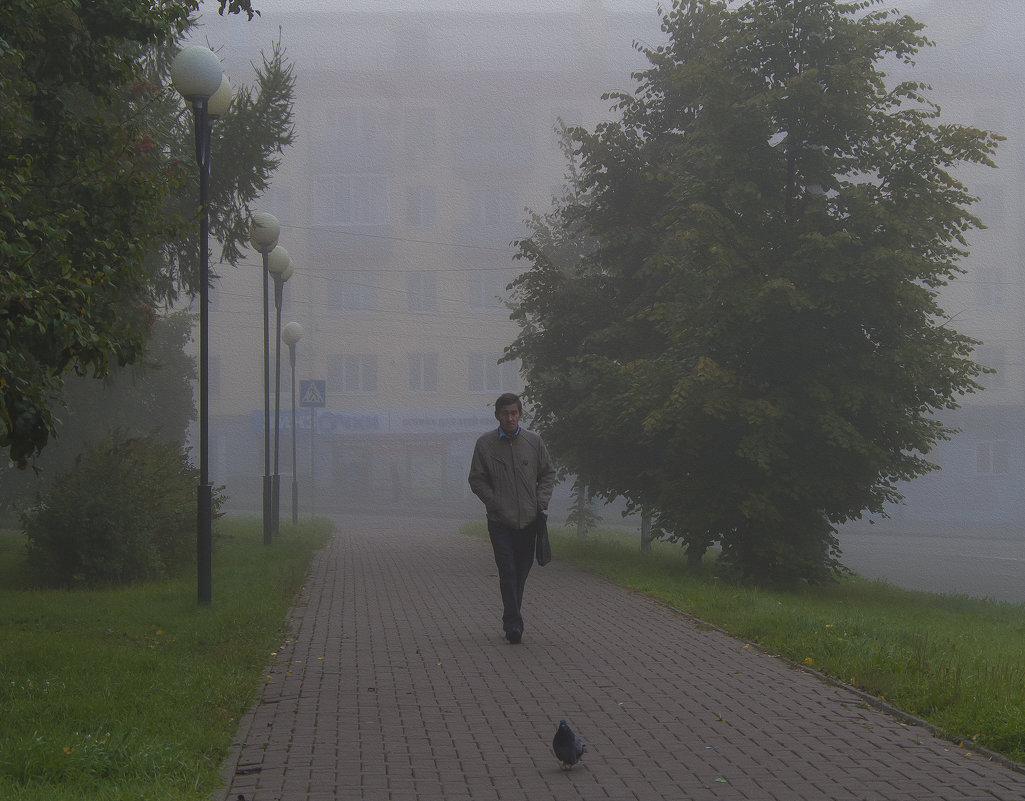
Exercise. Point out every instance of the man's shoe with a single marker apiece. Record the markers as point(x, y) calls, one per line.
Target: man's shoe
point(514, 637)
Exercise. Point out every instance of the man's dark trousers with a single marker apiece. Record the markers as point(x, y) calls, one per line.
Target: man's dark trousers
point(514, 556)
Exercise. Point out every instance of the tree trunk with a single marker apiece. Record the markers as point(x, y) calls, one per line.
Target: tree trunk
point(581, 510)
point(695, 553)
point(645, 531)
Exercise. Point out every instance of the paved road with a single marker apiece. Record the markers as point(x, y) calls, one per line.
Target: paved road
point(979, 566)
point(397, 685)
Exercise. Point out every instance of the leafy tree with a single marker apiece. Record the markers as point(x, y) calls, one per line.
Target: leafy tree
point(731, 319)
point(237, 7)
point(151, 398)
point(126, 513)
point(81, 192)
point(84, 186)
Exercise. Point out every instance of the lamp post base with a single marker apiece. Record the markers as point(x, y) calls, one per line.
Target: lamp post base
point(204, 541)
point(268, 511)
point(276, 503)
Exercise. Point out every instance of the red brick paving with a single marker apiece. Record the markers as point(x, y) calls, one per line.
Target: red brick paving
point(397, 685)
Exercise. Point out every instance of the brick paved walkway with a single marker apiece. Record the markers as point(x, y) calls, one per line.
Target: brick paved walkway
point(398, 685)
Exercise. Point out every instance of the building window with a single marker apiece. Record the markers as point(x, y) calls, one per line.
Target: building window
point(423, 372)
point(357, 125)
point(990, 287)
point(495, 138)
point(563, 119)
point(287, 297)
point(992, 457)
point(422, 291)
point(353, 291)
point(992, 206)
point(421, 207)
point(352, 373)
point(487, 290)
point(277, 199)
point(213, 376)
point(995, 357)
point(494, 208)
point(487, 375)
point(350, 200)
point(421, 135)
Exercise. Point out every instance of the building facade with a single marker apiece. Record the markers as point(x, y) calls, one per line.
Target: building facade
point(422, 139)
point(976, 72)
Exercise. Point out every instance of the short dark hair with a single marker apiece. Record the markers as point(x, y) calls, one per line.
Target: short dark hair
point(508, 399)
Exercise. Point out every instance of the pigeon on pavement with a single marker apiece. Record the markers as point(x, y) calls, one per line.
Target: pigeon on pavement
point(567, 746)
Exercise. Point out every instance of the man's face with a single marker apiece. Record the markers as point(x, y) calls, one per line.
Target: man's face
point(509, 418)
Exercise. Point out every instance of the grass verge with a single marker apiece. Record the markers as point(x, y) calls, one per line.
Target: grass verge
point(953, 661)
point(134, 694)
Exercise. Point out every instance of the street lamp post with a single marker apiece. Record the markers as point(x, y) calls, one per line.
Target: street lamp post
point(264, 238)
point(291, 335)
point(197, 75)
point(281, 270)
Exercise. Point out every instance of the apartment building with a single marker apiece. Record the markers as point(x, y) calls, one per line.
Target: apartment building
point(422, 137)
point(977, 74)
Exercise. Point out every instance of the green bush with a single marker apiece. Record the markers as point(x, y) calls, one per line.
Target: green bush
point(125, 513)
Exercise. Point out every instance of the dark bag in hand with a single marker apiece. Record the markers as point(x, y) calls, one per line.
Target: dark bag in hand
point(542, 548)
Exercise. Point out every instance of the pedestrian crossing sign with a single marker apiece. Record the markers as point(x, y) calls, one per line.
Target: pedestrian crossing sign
point(312, 393)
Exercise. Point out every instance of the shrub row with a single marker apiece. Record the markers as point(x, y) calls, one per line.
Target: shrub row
point(125, 513)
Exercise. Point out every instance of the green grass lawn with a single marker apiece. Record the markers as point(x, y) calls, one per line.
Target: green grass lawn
point(956, 662)
point(135, 694)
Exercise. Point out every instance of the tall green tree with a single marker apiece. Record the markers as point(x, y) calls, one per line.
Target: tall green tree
point(732, 318)
point(153, 397)
point(86, 182)
point(81, 192)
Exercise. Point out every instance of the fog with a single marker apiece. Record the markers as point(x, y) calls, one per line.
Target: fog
point(424, 129)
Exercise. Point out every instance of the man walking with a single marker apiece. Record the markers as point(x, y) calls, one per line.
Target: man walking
point(514, 477)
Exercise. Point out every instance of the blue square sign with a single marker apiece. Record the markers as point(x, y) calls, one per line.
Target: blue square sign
point(312, 394)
